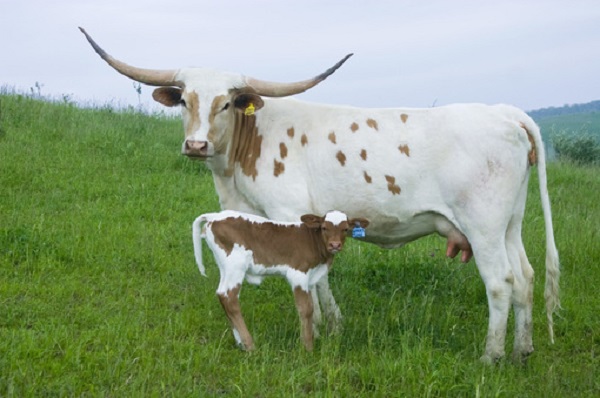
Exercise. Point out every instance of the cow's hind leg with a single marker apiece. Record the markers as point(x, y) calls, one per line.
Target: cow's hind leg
point(494, 268)
point(522, 297)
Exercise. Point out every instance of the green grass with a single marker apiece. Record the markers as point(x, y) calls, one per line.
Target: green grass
point(100, 294)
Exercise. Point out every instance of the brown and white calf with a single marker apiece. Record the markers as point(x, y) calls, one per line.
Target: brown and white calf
point(252, 247)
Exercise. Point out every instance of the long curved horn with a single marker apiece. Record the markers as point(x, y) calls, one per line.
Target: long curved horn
point(147, 76)
point(272, 89)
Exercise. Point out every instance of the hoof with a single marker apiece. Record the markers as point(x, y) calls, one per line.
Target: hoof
point(521, 357)
point(490, 359)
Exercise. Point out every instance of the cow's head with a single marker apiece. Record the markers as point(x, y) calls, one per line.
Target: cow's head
point(212, 101)
point(333, 227)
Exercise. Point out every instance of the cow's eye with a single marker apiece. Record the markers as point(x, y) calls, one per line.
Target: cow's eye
point(182, 103)
point(225, 107)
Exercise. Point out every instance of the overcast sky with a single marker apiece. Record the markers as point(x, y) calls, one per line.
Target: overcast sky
point(419, 53)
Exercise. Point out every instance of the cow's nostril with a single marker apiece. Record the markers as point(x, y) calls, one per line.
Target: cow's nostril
point(195, 148)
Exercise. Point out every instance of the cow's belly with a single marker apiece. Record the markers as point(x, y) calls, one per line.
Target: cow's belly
point(390, 232)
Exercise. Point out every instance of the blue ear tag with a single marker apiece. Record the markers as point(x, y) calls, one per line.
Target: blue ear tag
point(358, 231)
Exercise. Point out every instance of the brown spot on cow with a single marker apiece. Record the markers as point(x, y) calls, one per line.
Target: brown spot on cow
point(368, 178)
point(372, 123)
point(278, 168)
point(404, 117)
point(354, 127)
point(332, 137)
point(532, 155)
point(245, 145)
point(341, 157)
point(283, 150)
point(392, 187)
point(303, 140)
point(193, 104)
point(363, 154)
point(290, 132)
point(404, 149)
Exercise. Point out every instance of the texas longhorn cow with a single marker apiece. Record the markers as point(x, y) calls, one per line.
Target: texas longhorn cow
point(459, 170)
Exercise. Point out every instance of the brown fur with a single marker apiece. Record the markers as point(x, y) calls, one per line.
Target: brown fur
point(332, 137)
point(368, 178)
point(354, 127)
point(404, 149)
point(300, 247)
point(404, 117)
point(278, 168)
point(304, 140)
point(341, 157)
point(283, 151)
point(392, 187)
point(245, 144)
point(372, 123)
point(532, 155)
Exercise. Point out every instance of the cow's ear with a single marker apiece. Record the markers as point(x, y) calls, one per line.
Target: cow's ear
point(168, 96)
point(312, 221)
point(248, 103)
point(363, 222)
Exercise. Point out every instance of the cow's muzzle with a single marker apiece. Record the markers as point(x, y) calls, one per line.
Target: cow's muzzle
point(195, 149)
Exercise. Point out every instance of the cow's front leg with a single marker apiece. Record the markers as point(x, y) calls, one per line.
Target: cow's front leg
point(329, 306)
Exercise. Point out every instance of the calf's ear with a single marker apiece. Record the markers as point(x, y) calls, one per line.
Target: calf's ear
point(312, 221)
point(363, 222)
point(168, 96)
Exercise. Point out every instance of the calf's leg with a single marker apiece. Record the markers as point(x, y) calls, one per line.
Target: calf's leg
point(330, 308)
point(231, 304)
point(304, 304)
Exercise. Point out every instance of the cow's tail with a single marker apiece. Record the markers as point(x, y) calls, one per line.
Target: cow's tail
point(551, 291)
point(197, 236)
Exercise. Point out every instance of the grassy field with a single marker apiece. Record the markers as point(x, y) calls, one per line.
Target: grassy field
point(100, 294)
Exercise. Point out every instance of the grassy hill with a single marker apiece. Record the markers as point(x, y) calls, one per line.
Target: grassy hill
point(100, 294)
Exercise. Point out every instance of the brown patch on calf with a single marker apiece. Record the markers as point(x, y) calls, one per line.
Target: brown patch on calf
point(532, 155)
point(303, 140)
point(245, 144)
point(278, 168)
point(392, 187)
point(332, 137)
point(354, 127)
point(368, 178)
point(290, 132)
point(404, 149)
point(341, 157)
point(372, 123)
point(363, 154)
point(404, 117)
point(283, 151)
point(271, 243)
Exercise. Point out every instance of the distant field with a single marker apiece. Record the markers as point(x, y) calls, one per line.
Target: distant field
point(100, 294)
point(578, 123)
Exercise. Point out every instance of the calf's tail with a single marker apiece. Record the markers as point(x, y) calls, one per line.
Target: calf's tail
point(197, 236)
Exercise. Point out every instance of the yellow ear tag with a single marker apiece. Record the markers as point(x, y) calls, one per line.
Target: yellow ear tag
point(249, 110)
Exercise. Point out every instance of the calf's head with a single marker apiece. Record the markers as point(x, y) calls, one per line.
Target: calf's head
point(333, 228)
point(212, 102)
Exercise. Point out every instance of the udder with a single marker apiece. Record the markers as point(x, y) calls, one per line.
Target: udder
point(458, 242)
